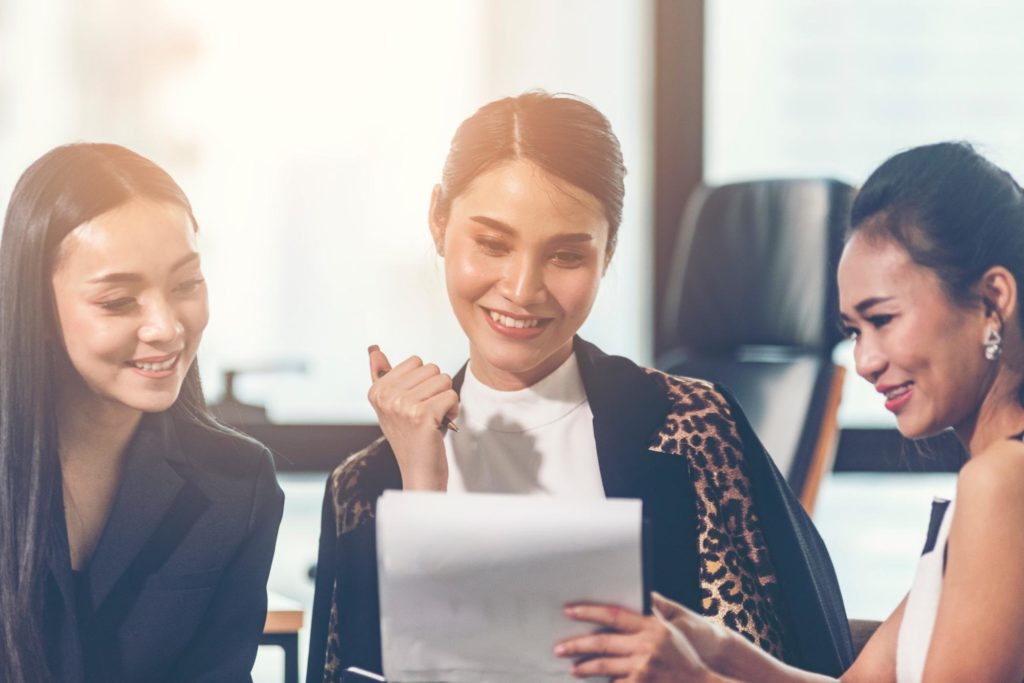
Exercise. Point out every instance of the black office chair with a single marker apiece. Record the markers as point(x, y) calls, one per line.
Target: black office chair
point(752, 304)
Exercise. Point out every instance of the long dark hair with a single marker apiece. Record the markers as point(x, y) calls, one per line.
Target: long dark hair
point(562, 134)
point(65, 188)
point(952, 210)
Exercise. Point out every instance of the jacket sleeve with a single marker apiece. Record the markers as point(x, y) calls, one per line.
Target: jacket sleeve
point(345, 629)
point(805, 572)
point(326, 571)
point(223, 649)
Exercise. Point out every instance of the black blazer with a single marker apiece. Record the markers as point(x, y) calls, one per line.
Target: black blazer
point(176, 587)
point(652, 441)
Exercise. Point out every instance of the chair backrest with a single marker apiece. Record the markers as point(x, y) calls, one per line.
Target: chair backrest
point(754, 265)
point(752, 304)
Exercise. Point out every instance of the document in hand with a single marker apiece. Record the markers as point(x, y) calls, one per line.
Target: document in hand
point(472, 586)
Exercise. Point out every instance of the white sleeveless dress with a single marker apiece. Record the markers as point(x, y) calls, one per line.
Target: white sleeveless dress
point(923, 601)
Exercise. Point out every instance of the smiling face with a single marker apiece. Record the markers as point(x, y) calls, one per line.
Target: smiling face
point(524, 255)
point(912, 342)
point(131, 304)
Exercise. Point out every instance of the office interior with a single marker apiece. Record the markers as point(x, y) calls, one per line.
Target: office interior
point(309, 134)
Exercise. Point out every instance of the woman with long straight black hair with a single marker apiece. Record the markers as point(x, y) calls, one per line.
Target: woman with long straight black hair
point(136, 533)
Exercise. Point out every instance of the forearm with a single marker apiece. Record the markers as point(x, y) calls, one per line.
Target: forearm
point(740, 660)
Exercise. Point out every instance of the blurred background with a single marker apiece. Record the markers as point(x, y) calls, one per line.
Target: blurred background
point(308, 136)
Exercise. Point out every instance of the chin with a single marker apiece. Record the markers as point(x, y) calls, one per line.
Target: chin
point(155, 402)
point(910, 429)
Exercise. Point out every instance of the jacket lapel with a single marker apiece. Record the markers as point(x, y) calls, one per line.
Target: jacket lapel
point(149, 487)
point(628, 407)
point(459, 378)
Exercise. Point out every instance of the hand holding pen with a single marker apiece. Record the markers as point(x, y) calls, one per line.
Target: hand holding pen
point(415, 404)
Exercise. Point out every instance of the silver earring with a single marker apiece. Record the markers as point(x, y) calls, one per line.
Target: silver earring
point(993, 344)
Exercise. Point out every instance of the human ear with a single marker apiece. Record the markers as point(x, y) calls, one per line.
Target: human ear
point(435, 220)
point(998, 289)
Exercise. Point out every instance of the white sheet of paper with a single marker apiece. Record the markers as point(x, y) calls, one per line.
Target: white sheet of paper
point(472, 586)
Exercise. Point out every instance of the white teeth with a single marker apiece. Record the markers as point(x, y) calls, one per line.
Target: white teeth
point(898, 391)
point(506, 321)
point(156, 367)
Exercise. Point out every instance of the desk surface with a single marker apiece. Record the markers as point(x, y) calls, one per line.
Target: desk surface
point(284, 615)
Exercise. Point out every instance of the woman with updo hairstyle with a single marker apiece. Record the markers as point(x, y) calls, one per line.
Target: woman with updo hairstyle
point(526, 217)
point(136, 533)
point(929, 292)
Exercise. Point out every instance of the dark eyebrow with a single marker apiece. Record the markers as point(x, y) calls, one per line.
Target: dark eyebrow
point(509, 230)
point(111, 278)
point(865, 305)
point(495, 224)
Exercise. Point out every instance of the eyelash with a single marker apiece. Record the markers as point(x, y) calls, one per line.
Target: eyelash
point(190, 285)
point(124, 304)
point(876, 321)
point(492, 247)
point(117, 305)
point(566, 259)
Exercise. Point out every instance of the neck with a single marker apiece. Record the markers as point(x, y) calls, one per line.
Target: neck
point(92, 431)
point(507, 380)
point(1000, 415)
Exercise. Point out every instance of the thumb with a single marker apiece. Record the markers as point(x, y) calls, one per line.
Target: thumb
point(669, 610)
point(379, 365)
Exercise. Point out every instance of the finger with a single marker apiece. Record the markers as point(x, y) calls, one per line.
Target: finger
point(679, 617)
point(596, 645)
point(442, 405)
point(604, 666)
point(430, 387)
point(379, 365)
point(668, 608)
point(409, 364)
point(410, 378)
point(618, 618)
point(453, 412)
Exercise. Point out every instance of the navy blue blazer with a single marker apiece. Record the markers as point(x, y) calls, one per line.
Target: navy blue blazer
point(176, 587)
point(727, 536)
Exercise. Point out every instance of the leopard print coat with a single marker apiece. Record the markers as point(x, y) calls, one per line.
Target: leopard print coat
point(739, 587)
point(738, 583)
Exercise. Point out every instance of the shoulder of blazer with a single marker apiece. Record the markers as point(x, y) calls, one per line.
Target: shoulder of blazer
point(218, 454)
point(356, 483)
point(624, 399)
point(701, 422)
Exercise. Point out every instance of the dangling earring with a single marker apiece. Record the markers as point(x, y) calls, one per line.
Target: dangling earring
point(993, 344)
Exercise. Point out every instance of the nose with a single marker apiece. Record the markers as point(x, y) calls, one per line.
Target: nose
point(523, 281)
point(160, 323)
point(868, 359)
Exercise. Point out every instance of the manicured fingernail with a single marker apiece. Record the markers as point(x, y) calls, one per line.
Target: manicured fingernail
point(570, 611)
point(373, 348)
point(559, 650)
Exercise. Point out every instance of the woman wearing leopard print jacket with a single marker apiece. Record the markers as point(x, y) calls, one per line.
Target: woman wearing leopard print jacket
point(525, 217)
point(929, 292)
